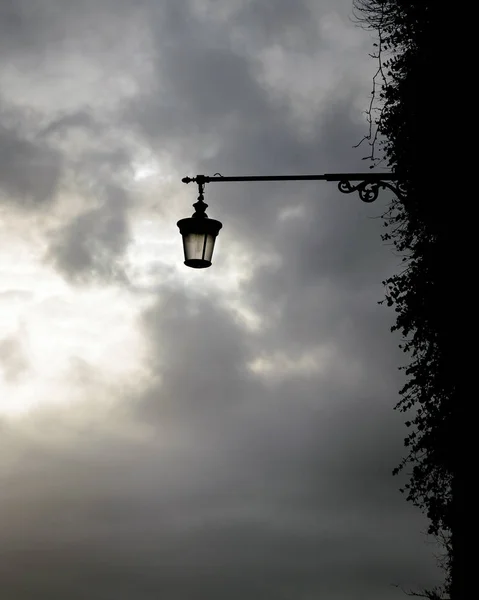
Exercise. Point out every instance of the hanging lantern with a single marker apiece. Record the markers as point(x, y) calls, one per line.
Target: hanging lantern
point(199, 235)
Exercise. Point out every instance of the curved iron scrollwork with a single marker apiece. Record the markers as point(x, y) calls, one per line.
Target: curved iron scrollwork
point(368, 190)
point(398, 189)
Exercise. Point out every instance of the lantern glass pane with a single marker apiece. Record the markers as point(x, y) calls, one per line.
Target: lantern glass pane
point(198, 249)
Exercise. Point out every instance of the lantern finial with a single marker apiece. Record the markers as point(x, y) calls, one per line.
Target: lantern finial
point(200, 205)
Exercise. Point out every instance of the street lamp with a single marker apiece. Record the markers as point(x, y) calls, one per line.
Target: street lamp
point(199, 231)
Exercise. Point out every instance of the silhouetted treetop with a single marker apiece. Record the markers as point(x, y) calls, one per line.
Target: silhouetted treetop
point(403, 122)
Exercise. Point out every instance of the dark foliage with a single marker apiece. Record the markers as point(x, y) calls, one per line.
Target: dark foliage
point(404, 123)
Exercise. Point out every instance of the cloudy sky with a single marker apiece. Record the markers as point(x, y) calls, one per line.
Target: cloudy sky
point(175, 434)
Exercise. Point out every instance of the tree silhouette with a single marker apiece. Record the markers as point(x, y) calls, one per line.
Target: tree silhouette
point(424, 294)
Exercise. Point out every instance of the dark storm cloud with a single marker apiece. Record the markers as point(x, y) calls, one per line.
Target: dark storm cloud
point(29, 170)
point(61, 125)
point(244, 491)
point(89, 245)
point(207, 91)
point(211, 109)
point(42, 159)
point(271, 22)
point(29, 29)
point(249, 486)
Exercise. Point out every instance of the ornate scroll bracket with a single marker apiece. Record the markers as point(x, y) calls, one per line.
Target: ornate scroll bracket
point(369, 190)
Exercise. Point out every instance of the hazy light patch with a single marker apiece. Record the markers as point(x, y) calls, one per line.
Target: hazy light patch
point(227, 280)
point(70, 338)
point(250, 319)
point(103, 414)
point(142, 171)
point(154, 254)
point(236, 264)
point(292, 212)
point(156, 166)
point(21, 251)
point(279, 365)
point(75, 345)
point(155, 183)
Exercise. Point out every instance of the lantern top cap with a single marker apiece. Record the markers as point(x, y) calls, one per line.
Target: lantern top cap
point(200, 226)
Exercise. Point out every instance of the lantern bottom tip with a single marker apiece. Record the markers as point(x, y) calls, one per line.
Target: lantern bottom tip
point(197, 263)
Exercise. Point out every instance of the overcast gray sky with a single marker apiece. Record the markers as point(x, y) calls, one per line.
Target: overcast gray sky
point(175, 434)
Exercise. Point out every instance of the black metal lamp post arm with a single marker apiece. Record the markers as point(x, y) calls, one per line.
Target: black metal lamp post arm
point(368, 184)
